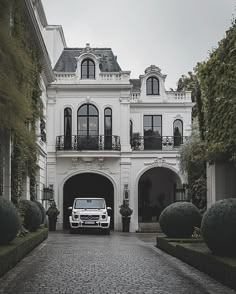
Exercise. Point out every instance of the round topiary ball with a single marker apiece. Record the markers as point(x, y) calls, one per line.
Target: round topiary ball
point(42, 210)
point(9, 221)
point(32, 215)
point(219, 227)
point(179, 219)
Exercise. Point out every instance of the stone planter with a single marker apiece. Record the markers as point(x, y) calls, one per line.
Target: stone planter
point(125, 223)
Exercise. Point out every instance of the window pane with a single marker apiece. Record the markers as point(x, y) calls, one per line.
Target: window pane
point(107, 111)
point(93, 124)
point(147, 120)
point(91, 70)
point(84, 70)
point(178, 128)
point(157, 131)
point(83, 110)
point(156, 120)
point(155, 86)
point(92, 110)
point(108, 127)
point(149, 86)
point(67, 112)
point(82, 125)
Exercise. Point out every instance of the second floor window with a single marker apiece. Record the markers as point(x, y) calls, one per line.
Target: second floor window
point(67, 127)
point(152, 86)
point(88, 120)
point(87, 69)
point(152, 130)
point(178, 132)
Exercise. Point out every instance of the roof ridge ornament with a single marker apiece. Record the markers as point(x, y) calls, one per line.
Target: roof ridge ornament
point(152, 68)
point(87, 49)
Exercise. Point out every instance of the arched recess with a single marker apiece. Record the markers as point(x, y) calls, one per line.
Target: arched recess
point(87, 184)
point(156, 190)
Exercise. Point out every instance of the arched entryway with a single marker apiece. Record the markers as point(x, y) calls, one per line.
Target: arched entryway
point(156, 190)
point(87, 185)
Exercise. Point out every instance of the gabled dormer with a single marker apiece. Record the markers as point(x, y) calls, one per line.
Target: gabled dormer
point(88, 64)
point(152, 84)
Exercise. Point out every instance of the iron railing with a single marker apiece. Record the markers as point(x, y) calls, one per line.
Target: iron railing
point(81, 142)
point(166, 143)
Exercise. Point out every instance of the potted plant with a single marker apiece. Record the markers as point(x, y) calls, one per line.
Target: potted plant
point(126, 212)
point(52, 214)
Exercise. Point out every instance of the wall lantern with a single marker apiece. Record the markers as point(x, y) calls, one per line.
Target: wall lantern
point(48, 193)
point(126, 192)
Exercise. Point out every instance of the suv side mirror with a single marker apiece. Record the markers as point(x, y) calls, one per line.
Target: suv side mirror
point(70, 208)
point(109, 208)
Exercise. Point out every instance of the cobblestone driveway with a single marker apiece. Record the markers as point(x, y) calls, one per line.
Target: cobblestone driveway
point(119, 263)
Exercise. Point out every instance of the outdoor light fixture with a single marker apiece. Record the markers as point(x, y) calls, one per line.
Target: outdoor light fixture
point(126, 192)
point(48, 193)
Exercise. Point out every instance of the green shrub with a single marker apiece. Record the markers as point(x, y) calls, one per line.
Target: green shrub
point(179, 219)
point(42, 210)
point(32, 215)
point(9, 221)
point(219, 227)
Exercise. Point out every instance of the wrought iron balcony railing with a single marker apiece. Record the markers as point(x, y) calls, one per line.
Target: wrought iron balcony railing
point(166, 143)
point(81, 142)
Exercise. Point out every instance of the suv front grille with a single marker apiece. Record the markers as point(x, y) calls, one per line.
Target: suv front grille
point(89, 217)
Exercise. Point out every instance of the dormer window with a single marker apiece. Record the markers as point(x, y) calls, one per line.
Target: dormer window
point(152, 86)
point(88, 69)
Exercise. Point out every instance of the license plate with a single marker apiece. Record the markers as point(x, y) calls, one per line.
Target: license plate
point(90, 223)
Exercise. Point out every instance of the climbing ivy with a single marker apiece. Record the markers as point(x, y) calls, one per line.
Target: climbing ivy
point(20, 103)
point(218, 86)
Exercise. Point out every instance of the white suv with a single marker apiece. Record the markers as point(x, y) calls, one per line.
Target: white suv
point(90, 213)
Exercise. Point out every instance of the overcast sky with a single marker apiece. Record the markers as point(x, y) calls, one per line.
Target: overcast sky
point(172, 34)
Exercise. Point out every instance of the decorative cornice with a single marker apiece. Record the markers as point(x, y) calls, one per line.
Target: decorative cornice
point(159, 161)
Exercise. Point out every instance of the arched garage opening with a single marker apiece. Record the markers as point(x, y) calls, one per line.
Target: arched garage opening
point(156, 190)
point(87, 185)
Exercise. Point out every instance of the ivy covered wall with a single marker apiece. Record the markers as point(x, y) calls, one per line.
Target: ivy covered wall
point(20, 104)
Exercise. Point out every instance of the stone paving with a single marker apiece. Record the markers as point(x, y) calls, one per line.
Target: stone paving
point(94, 263)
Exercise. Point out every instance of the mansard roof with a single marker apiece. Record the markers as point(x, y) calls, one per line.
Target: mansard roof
point(136, 84)
point(67, 61)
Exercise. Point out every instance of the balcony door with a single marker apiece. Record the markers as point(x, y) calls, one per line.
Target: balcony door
point(152, 130)
point(67, 128)
point(88, 128)
point(108, 129)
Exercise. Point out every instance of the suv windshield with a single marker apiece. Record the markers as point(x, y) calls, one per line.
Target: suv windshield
point(89, 203)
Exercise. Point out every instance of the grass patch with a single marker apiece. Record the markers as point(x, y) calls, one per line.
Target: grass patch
point(12, 253)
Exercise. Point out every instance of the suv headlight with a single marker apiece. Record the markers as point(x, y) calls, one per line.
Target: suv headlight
point(104, 216)
point(75, 216)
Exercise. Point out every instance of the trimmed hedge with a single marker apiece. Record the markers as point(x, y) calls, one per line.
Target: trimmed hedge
point(32, 215)
point(43, 211)
point(221, 269)
point(19, 248)
point(219, 227)
point(9, 221)
point(179, 219)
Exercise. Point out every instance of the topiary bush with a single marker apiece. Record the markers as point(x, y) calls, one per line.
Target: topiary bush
point(42, 210)
point(9, 221)
point(219, 227)
point(179, 219)
point(32, 215)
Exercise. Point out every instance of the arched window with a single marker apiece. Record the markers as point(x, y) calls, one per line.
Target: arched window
point(88, 127)
point(152, 86)
point(87, 69)
point(67, 128)
point(107, 128)
point(178, 132)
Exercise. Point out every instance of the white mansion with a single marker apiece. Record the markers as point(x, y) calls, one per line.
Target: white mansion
point(111, 136)
point(107, 135)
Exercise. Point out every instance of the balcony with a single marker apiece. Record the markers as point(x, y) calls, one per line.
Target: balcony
point(80, 143)
point(165, 143)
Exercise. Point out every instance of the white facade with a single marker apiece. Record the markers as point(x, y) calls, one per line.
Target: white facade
point(123, 166)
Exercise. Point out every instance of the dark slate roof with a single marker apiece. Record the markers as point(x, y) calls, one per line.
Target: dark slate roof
point(67, 61)
point(136, 84)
